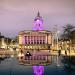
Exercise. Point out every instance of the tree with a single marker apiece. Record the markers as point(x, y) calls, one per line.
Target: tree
point(67, 32)
point(67, 36)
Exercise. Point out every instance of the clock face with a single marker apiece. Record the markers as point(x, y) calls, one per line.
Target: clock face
point(37, 20)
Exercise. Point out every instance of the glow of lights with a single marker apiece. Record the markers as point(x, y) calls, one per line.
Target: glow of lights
point(38, 23)
point(38, 70)
point(19, 55)
point(37, 20)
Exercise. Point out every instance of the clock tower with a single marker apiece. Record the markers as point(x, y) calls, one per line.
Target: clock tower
point(38, 22)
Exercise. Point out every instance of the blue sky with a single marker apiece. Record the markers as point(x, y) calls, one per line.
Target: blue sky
point(17, 15)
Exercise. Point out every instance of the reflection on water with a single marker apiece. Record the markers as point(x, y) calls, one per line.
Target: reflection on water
point(11, 66)
point(38, 70)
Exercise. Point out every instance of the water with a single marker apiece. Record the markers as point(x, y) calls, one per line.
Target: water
point(11, 66)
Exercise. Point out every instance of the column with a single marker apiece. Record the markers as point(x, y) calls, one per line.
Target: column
point(23, 39)
point(42, 39)
point(30, 39)
point(46, 39)
point(39, 39)
point(27, 39)
point(33, 39)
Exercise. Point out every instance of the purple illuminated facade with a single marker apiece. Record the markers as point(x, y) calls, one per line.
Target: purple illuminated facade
point(38, 22)
point(38, 25)
point(37, 42)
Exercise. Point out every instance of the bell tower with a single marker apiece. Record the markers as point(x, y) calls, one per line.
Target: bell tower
point(38, 22)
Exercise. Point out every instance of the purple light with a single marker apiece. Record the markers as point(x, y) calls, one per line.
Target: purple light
point(38, 23)
point(38, 70)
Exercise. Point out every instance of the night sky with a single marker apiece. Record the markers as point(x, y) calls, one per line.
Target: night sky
point(17, 15)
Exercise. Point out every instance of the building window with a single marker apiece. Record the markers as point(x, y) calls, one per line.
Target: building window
point(37, 41)
point(40, 41)
point(25, 41)
point(25, 37)
point(34, 41)
point(31, 41)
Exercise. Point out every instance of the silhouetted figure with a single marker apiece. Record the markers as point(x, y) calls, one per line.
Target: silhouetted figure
point(65, 52)
point(59, 52)
point(28, 54)
point(21, 51)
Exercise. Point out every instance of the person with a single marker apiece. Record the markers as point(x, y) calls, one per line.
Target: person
point(65, 52)
point(21, 51)
point(59, 52)
point(28, 54)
